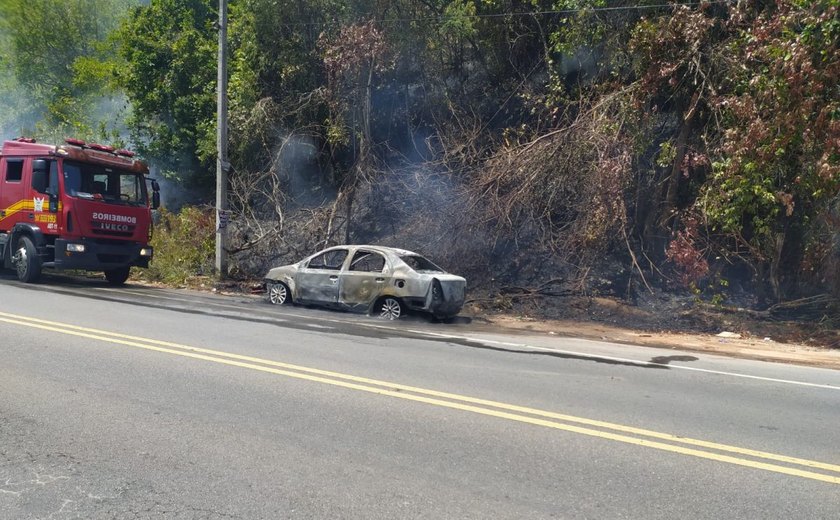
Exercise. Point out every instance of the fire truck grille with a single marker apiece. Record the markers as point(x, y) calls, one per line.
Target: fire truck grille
point(109, 242)
point(112, 259)
point(114, 230)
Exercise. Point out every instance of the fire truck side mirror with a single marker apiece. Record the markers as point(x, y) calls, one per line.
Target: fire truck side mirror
point(155, 194)
point(40, 175)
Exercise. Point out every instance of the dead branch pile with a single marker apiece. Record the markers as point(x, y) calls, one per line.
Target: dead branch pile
point(544, 210)
point(563, 192)
point(819, 308)
point(547, 209)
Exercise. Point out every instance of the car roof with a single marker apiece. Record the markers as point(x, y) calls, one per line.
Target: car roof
point(378, 249)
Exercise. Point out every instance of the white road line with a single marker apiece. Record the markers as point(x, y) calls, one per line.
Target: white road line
point(628, 360)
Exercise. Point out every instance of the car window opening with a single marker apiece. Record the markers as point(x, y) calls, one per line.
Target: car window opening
point(332, 260)
point(418, 263)
point(368, 262)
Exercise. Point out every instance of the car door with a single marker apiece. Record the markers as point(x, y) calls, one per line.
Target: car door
point(363, 279)
point(317, 280)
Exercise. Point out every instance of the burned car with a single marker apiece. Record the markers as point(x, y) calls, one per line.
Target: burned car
point(377, 280)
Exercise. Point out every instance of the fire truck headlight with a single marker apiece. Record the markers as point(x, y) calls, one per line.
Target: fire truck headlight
point(146, 251)
point(76, 248)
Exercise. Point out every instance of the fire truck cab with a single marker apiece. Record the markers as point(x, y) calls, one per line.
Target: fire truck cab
point(74, 206)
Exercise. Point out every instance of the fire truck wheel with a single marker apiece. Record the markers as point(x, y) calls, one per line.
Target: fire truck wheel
point(27, 262)
point(117, 276)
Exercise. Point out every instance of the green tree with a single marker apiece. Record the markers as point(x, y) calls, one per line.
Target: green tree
point(169, 47)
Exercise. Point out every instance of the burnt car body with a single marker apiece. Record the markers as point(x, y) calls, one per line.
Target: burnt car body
point(372, 279)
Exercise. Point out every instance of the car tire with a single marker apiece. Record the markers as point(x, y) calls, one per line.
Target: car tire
point(389, 308)
point(27, 262)
point(117, 276)
point(278, 293)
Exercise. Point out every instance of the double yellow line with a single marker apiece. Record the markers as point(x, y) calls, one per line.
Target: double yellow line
point(783, 464)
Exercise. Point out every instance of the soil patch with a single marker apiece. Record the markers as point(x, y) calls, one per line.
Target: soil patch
point(672, 323)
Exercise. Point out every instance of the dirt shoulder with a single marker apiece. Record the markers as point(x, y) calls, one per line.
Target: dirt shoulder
point(691, 329)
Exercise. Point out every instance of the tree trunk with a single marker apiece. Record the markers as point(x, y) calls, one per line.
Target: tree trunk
point(661, 216)
point(350, 196)
point(775, 265)
point(676, 174)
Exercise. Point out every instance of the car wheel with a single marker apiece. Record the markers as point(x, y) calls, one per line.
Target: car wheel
point(27, 262)
point(390, 308)
point(278, 293)
point(117, 276)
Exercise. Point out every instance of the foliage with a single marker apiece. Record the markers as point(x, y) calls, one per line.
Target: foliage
point(779, 156)
point(756, 85)
point(685, 254)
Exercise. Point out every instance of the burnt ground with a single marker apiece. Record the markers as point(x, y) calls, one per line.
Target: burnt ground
point(668, 321)
point(664, 314)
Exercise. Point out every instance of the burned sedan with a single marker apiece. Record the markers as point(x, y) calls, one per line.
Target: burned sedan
point(372, 279)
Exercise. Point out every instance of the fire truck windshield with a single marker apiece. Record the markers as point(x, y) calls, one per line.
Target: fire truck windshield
point(104, 183)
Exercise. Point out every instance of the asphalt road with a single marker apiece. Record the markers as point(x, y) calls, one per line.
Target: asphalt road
point(148, 403)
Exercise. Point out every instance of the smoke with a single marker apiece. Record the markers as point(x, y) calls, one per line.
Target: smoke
point(18, 114)
point(296, 165)
point(580, 65)
point(42, 94)
point(16, 122)
point(424, 209)
point(173, 196)
point(109, 113)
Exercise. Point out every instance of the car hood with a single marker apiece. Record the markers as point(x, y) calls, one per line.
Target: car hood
point(279, 273)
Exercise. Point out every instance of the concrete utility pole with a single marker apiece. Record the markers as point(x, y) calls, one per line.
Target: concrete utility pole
point(221, 147)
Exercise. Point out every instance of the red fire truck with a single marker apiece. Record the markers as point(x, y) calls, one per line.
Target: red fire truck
point(74, 206)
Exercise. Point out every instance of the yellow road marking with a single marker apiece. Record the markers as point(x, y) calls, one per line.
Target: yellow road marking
point(436, 398)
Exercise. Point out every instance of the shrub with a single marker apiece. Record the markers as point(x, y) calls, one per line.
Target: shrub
point(184, 245)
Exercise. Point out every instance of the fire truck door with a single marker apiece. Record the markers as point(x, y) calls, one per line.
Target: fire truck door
point(14, 204)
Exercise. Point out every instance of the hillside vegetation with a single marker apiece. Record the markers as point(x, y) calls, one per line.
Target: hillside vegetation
point(536, 146)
